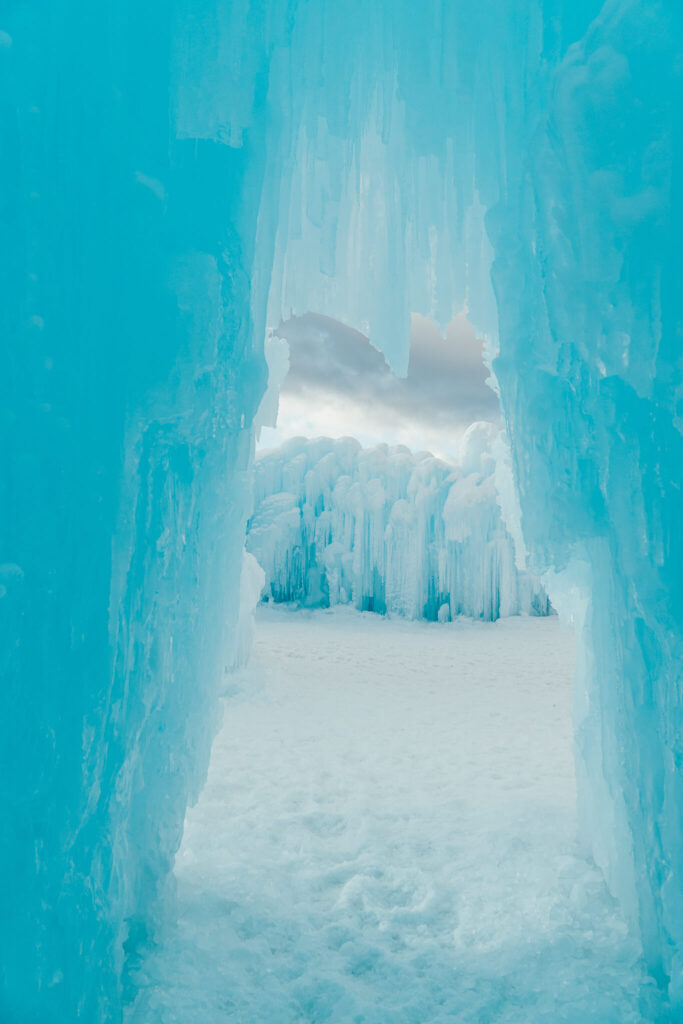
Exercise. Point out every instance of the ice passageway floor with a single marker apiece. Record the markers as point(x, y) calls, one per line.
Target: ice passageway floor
point(387, 836)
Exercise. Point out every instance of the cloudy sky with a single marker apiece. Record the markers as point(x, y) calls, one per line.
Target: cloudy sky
point(339, 385)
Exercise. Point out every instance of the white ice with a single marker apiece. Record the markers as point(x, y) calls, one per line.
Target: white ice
point(392, 531)
point(388, 835)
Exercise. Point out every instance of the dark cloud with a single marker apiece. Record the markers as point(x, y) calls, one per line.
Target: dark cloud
point(445, 388)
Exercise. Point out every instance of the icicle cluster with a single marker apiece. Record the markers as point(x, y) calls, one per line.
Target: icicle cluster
point(388, 531)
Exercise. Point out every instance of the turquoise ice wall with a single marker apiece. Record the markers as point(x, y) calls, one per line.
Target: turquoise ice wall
point(176, 174)
point(129, 376)
point(587, 276)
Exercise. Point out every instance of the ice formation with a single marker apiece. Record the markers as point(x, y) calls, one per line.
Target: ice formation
point(170, 173)
point(388, 531)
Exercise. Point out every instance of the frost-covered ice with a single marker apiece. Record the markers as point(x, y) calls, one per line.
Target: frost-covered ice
point(388, 530)
point(387, 836)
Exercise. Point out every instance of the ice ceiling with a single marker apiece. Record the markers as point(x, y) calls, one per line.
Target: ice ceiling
point(175, 177)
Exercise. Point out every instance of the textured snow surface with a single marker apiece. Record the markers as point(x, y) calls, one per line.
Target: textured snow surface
point(388, 835)
point(388, 530)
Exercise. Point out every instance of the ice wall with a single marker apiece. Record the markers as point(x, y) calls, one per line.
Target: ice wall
point(586, 274)
point(172, 171)
point(388, 531)
point(129, 376)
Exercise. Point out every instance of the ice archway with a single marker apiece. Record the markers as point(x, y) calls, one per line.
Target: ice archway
point(178, 173)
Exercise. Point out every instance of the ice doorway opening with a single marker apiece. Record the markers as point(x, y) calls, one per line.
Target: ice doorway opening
point(400, 506)
point(388, 831)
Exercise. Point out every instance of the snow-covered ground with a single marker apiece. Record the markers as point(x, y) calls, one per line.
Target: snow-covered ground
point(387, 836)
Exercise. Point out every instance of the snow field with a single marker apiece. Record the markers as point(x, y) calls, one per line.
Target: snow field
point(387, 836)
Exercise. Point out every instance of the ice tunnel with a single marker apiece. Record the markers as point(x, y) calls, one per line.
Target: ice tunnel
point(174, 178)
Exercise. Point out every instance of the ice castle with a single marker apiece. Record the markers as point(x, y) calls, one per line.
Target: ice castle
point(175, 177)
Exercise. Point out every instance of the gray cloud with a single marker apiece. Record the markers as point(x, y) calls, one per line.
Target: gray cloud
point(445, 389)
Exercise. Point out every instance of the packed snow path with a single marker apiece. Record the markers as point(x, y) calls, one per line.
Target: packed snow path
point(387, 836)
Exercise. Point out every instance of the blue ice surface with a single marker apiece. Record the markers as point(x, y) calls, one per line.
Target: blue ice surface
point(388, 530)
point(173, 178)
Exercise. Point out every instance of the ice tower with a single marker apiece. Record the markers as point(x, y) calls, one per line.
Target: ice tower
point(173, 177)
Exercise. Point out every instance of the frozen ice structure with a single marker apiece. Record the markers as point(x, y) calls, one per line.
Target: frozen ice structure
point(388, 531)
point(174, 177)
